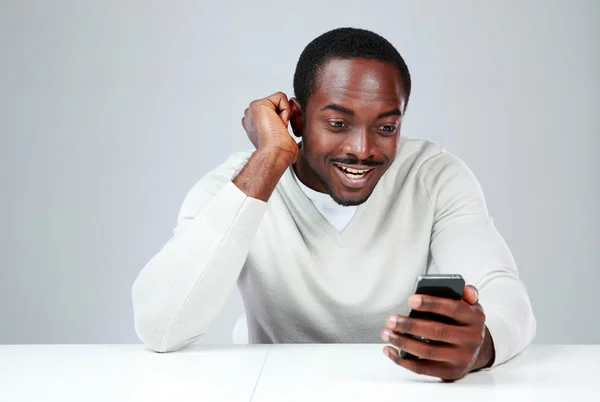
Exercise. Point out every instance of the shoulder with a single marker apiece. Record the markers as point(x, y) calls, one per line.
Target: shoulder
point(436, 168)
point(420, 153)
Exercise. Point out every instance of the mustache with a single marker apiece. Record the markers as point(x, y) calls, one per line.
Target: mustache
point(355, 161)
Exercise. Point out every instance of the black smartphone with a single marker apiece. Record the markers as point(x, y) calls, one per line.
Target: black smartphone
point(450, 286)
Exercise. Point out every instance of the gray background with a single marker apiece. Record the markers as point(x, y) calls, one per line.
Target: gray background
point(111, 110)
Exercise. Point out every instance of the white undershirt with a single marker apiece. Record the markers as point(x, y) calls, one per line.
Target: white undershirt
point(337, 215)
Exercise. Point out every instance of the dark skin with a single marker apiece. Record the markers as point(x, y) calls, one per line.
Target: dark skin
point(457, 350)
point(352, 120)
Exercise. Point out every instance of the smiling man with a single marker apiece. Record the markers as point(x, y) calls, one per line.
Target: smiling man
point(325, 237)
point(352, 125)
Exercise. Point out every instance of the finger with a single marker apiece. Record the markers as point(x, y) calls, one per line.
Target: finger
point(423, 367)
point(282, 106)
point(470, 294)
point(458, 310)
point(419, 348)
point(429, 329)
point(245, 117)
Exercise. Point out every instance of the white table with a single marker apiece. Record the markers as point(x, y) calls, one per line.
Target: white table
point(115, 373)
point(281, 373)
point(363, 373)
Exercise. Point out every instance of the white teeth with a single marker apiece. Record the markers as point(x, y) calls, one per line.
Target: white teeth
point(354, 171)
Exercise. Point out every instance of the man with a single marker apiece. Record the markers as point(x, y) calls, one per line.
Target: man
point(325, 238)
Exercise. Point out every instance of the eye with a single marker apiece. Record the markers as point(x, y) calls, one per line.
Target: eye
point(388, 129)
point(337, 124)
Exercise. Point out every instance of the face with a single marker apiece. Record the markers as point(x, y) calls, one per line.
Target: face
point(349, 128)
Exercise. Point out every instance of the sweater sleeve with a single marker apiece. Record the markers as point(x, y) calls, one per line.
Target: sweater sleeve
point(464, 240)
point(185, 285)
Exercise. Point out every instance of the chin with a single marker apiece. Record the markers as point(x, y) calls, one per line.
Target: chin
point(350, 199)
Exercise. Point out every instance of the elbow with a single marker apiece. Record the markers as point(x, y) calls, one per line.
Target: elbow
point(157, 333)
point(159, 336)
point(152, 332)
point(151, 329)
point(159, 318)
point(152, 338)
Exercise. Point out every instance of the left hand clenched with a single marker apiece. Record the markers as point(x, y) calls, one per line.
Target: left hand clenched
point(453, 350)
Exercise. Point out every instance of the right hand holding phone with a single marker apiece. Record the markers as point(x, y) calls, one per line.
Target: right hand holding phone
point(452, 350)
point(265, 122)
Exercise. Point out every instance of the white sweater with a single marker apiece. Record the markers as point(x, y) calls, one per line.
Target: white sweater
point(303, 281)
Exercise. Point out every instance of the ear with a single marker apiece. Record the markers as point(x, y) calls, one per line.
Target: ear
point(296, 117)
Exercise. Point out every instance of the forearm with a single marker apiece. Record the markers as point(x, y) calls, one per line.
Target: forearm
point(509, 315)
point(184, 287)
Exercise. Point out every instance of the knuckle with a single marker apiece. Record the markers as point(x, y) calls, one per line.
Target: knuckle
point(426, 304)
point(398, 341)
point(475, 340)
point(407, 325)
point(429, 351)
point(480, 337)
point(430, 304)
point(418, 368)
point(465, 359)
point(478, 310)
point(259, 103)
point(455, 308)
point(439, 331)
point(396, 359)
point(391, 318)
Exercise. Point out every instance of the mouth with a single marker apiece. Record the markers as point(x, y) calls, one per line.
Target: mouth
point(354, 176)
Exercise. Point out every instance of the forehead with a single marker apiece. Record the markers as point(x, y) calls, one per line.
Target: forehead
point(359, 84)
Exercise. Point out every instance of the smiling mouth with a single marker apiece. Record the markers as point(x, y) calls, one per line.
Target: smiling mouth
point(354, 173)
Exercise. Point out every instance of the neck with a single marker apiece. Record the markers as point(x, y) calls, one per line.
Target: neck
point(306, 175)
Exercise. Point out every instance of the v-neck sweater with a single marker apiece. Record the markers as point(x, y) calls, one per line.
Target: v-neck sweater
point(301, 280)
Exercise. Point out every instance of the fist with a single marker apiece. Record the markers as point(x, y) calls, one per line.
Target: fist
point(265, 122)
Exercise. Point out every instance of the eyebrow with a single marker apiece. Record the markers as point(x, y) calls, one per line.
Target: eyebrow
point(338, 108)
point(394, 112)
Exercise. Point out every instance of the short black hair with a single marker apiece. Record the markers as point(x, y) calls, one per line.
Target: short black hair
point(344, 43)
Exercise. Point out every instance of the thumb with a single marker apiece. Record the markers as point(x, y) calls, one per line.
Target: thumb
point(470, 294)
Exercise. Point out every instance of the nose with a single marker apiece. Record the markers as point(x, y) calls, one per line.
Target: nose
point(359, 143)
